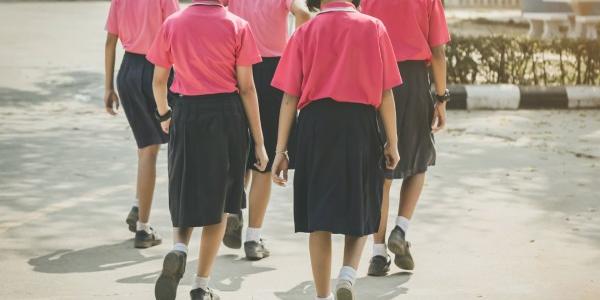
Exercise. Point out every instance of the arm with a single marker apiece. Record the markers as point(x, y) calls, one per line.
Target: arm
point(438, 66)
point(387, 111)
point(111, 100)
point(159, 87)
point(250, 101)
point(287, 114)
point(300, 12)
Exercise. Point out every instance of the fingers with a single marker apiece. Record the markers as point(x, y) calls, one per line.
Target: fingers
point(279, 177)
point(165, 126)
point(110, 110)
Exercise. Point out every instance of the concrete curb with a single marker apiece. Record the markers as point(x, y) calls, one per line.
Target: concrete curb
point(512, 97)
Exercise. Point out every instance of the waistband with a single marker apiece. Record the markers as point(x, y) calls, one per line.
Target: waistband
point(332, 103)
point(136, 55)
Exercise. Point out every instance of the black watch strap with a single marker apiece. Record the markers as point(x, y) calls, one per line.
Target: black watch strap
point(443, 98)
point(164, 117)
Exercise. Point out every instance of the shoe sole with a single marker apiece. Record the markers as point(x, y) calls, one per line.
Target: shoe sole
point(344, 294)
point(255, 258)
point(131, 221)
point(404, 262)
point(166, 285)
point(146, 244)
point(378, 274)
point(398, 248)
point(233, 238)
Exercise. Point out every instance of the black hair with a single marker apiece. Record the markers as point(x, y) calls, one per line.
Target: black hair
point(314, 5)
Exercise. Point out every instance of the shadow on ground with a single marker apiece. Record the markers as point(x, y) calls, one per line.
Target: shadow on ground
point(95, 259)
point(228, 274)
point(380, 288)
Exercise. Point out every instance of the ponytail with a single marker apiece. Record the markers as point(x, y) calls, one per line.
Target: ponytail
point(314, 5)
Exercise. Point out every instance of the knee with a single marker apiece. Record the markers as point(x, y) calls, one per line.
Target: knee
point(149, 153)
point(387, 184)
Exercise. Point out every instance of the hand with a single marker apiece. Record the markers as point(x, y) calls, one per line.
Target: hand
point(111, 102)
point(279, 171)
point(392, 157)
point(262, 159)
point(439, 117)
point(165, 125)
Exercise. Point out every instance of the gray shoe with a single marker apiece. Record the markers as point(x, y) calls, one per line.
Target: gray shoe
point(132, 218)
point(379, 265)
point(256, 250)
point(200, 294)
point(401, 248)
point(172, 271)
point(144, 239)
point(344, 290)
point(233, 232)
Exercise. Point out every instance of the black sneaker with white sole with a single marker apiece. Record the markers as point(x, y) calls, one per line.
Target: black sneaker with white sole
point(233, 232)
point(132, 218)
point(145, 239)
point(172, 271)
point(200, 294)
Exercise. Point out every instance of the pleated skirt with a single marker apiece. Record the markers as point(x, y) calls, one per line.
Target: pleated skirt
point(208, 150)
point(338, 182)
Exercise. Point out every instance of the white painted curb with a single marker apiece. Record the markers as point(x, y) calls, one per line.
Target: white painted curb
point(497, 96)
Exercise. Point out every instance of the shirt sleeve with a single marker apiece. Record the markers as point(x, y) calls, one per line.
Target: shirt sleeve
point(169, 7)
point(112, 23)
point(160, 52)
point(391, 73)
point(246, 53)
point(288, 76)
point(438, 28)
point(225, 2)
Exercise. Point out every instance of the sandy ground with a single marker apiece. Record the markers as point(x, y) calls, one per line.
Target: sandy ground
point(511, 211)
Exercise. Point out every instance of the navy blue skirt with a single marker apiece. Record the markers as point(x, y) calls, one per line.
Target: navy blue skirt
point(338, 182)
point(208, 150)
point(414, 114)
point(269, 102)
point(134, 84)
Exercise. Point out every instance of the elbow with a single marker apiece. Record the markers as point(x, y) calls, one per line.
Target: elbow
point(303, 16)
point(247, 89)
point(439, 53)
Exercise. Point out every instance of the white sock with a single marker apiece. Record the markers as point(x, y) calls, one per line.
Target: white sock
point(200, 283)
point(347, 273)
point(403, 223)
point(330, 297)
point(379, 250)
point(143, 226)
point(181, 247)
point(136, 203)
point(253, 234)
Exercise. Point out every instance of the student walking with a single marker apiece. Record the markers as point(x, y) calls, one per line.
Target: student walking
point(136, 23)
point(212, 51)
point(338, 70)
point(418, 31)
point(269, 22)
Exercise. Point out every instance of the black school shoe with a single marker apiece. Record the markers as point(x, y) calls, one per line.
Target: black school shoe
point(172, 271)
point(256, 250)
point(233, 232)
point(132, 218)
point(379, 265)
point(200, 294)
point(144, 239)
point(401, 248)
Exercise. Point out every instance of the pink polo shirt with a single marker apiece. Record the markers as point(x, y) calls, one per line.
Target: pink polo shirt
point(268, 20)
point(136, 22)
point(204, 43)
point(414, 26)
point(343, 55)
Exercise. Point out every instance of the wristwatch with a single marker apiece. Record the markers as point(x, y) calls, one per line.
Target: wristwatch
point(443, 98)
point(164, 117)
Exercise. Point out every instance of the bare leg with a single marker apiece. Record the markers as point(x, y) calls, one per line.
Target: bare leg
point(320, 258)
point(182, 235)
point(260, 193)
point(146, 179)
point(353, 247)
point(409, 194)
point(209, 246)
point(379, 237)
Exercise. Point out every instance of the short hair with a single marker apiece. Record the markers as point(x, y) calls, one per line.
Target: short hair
point(314, 5)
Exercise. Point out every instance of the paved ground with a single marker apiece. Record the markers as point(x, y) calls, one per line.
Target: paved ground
point(510, 212)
